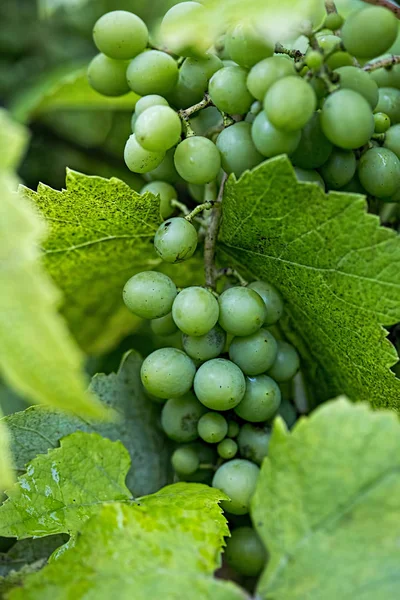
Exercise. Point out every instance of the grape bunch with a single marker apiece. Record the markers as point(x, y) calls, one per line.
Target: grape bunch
point(230, 106)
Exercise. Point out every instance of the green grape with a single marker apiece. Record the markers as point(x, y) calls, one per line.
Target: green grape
point(166, 169)
point(152, 72)
point(246, 46)
point(286, 364)
point(108, 76)
point(379, 172)
point(314, 59)
point(245, 552)
point(237, 478)
point(228, 90)
point(353, 78)
point(389, 103)
point(175, 240)
point(196, 192)
point(242, 311)
point(185, 94)
point(158, 128)
point(290, 103)
point(382, 122)
point(207, 456)
point(255, 353)
point(328, 42)
point(120, 34)
point(253, 443)
point(163, 325)
point(167, 373)
point(288, 413)
point(238, 152)
point(195, 311)
point(310, 176)
point(387, 77)
point(149, 294)
point(166, 192)
point(148, 102)
point(339, 59)
point(319, 88)
point(369, 32)
point(185, 460)
point(271, 141)
point(219, 384)
point(333, 21)
point(138, 159)
point(133, 121)
point(347, 120)
point(339, 168)
point(233, 429)
point(227, 449)
point(194, 76)
point(212, 427)
point(205, 120)
point(392, 140)
point(197, 160)
point(176, 34)
point(266, 72)
point(261, 399)
point(272, 299)
point(354, 186)
point(205, 347)
point(180, 416)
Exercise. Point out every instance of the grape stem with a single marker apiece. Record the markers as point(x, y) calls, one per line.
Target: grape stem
point(186, 113)
point(210, 241)
point(205, 206)
point(330, 7)
point(182, 207)
point(296, 54)
point(386, 63)
point(229, 272)
point(386, 4)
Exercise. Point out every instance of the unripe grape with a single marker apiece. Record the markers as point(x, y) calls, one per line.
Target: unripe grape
point(333, 21)
point(260, 401)
point(120, 34)
point(138, 159)
point(148, 101)
point(212, 427)
point(166, 169)
point(180, 416)
point(108, 76)
point(290, 103)
point(167, 373)
point(253, 443)
point(271, 141)
point(238, 151)
point(219, 384)
point(392, 139)
point(158, 128)
point(166, 192)
point(389, 103)
point(178, 36)
point(242, 311)
point(228, 90)
point(233, 429)
point(237, 479)
point(314, 147)
point(339, 168)
point(245, 552)
point(152, 72)
point(379, 172)
point(286, 364)
point(255, 353)
point(205, 347)
point(310, 176)
point(197, 160)
point(369, 32)
point(346, 119)
point(149, 294)
point(266, 72)
point(195, 311)
point(227, 449)
point(175, 240)
point(246, 46)
point(353, 78)
point(163, 325)
point(185, 460)
point(314, 59)
point(382, 122)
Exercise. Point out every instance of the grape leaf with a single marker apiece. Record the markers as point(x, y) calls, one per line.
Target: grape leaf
point(39, 428)
point(337, 269)
point(63, 488)
point(101, 233)
point(168, 546)
point(6, 469)
point(327, 506)
point(15, 138)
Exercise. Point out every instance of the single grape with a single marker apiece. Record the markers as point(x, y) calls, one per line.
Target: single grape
point(238, 152)
point(314, 59)
point(389, 103)
point(163, 325)
point(167, 373)
point(237, 478)
point(288, 413)
point(271, 141)
point(177, 36)
point(369, 32)
point(108, 76)
point(354, 186)
point(353, 78)
point(260, 401)
point(149, 294)
point(166, 192)
point(246, 46)
point(310, 176)
point(158, 128)
point(185, 460)
point(212, 427)
point(253, 443)
point(233, 429)
point(382, 122)
point(339, 168)
point(387, 77)
point(333, 21)
point(148, 101)
point(392, 139)
point(120, 34)
point(266, 72)
point(196, 192)
point(228, 90)
point(185, 94)
point(227, 449)
point(242, 311)
point(290, 103)
point(195, 311)
point(347, 120)
point(286, 364)
point(138, 159)
point(219, 384)
point(197, 160)
point(180, 416)
point(166, 169)
point(339, 59)
point(379, 172)
point(272, 299)
point(255, 353)
point(175, 240)
point(194, 76)
point(207, 456)
point(205, 347)
point(152, 72)
point(245, 552)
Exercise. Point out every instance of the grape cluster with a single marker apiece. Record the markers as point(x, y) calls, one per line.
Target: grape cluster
point(243, 100)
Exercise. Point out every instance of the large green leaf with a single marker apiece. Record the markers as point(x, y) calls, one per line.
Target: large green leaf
point(29, 552)
point(101, 233)
point(337, 269)
point(63, 488)
point(38, 428)
point(166, 547)
point(327, 506)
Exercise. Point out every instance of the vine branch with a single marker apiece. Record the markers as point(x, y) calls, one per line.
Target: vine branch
point(386, 63)
point(330, 7)
point(386, 4)
point(296, 54)
point(210, 241)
